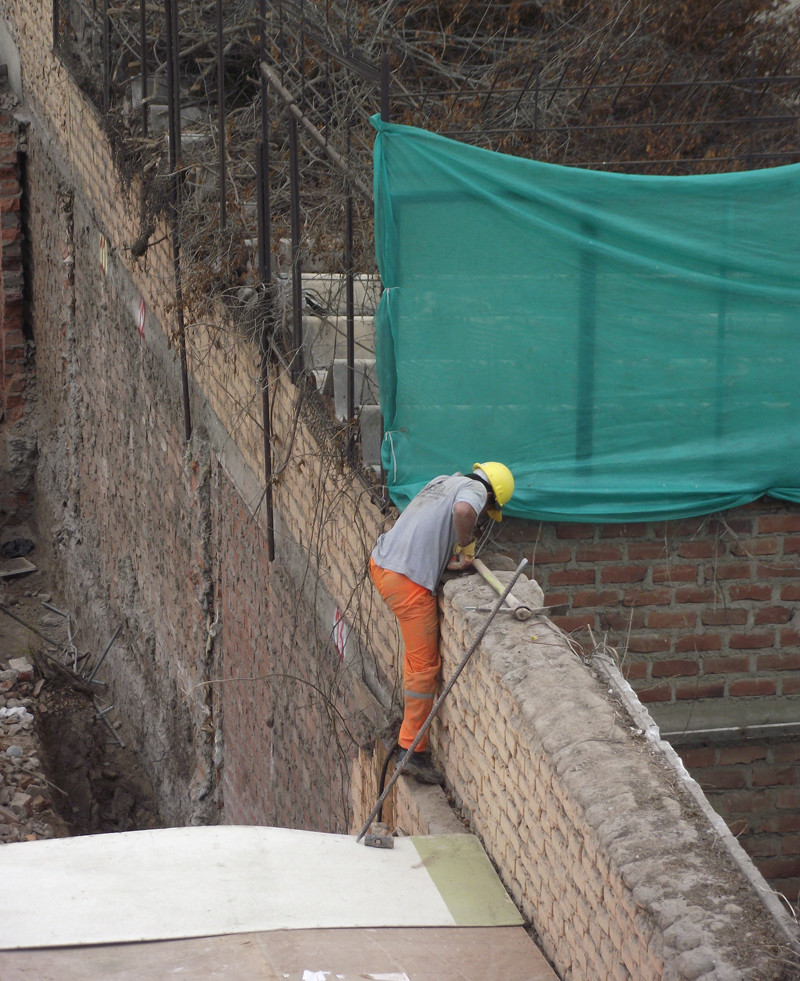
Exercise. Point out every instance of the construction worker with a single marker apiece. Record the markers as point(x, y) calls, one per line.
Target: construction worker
point(436, 531)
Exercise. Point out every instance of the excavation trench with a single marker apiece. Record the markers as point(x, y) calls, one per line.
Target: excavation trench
point(97, 786)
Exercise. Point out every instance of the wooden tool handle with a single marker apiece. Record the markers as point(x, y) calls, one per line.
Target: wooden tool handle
point(521, 611)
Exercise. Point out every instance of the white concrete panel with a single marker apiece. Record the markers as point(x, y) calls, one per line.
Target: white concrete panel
point(206, 881)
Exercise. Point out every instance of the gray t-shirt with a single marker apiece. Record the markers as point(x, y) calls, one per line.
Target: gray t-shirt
point(421, 542)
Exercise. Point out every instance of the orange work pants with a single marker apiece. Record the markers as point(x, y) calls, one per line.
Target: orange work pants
point(417, 614)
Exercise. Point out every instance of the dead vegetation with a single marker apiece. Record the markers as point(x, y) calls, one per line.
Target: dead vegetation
point(657, 88)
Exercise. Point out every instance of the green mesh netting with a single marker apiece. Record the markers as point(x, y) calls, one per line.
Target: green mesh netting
point(627, 345)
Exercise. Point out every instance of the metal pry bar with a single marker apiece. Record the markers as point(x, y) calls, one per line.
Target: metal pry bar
point(445, 691)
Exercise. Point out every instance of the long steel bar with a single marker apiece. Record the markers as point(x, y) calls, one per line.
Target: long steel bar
point(265, 278)
point(223, 213)
point(314, 133)
point(297, 262)
point(174, 121)
point(105, 652)
point(106, 96)
point(445, 692)
point(143, 66)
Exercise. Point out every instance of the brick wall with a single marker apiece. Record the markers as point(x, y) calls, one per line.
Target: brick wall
point(755, 787)
point(701, 609)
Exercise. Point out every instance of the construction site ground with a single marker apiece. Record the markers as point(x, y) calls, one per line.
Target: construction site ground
point(63, 770)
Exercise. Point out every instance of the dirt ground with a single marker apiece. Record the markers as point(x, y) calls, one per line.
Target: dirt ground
point(65, 767)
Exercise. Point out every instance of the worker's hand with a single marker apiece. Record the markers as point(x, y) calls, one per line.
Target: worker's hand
point(462, 558)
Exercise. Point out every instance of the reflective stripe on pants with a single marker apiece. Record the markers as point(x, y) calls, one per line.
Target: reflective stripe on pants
point(417, 614)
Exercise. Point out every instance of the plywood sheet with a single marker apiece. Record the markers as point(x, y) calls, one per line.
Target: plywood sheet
point(400, 954)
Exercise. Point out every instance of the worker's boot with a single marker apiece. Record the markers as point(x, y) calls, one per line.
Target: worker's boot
point(418, 765)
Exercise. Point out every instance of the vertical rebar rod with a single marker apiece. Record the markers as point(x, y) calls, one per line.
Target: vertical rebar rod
point(143, 59)
point(385, 82)
point(106, 96)
point(223, 215)
point(297, 266)
point(174, 102)
point(265, 277)
point(445, 692)
point(349, 303)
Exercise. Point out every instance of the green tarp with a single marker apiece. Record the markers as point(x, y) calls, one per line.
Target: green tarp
point(628, 345)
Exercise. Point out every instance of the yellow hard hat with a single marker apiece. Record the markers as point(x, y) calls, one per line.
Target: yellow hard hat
point(502, 481)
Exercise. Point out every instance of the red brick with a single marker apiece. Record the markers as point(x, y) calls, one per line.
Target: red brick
point(575, 621)
point(648, 597)
point(698, 757)
point(727, 570)
point(575, 532)
point(646, 550)
point(696, 550)
point(780, 661)
point(772, 614)
point(751, 687)
point(755, 546)
point(786, 752)
point(744, 802)
point(594, 597)
point(722, 778)
point(790, 638)
point(611, 620)
point(770, 776)
point(695, 594)
point(769, 523)
point(791, 543)
point(703, 689)
point(555, 599)
point(598, 553)
point(698, 643)
point(658, 693)
point(731, 755)
point(779, 823)
point(774, 868)
point(726, 665)
point(751, 641)
point(674, 667)
point(790, 686)
point(675, 573)
point(750, 591)
point(664, 619)
point(634, 670)
point(572, 577)
point(623, 573)
point(723, 617)
point(788, 798)
point(778, 569)
point(648, 643)
point(634, 530)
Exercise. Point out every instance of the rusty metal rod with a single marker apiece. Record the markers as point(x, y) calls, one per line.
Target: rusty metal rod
point(436, 705)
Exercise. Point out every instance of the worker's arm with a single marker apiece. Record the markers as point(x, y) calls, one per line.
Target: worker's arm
point(464, 519)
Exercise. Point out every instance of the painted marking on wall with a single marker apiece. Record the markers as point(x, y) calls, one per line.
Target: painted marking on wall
point(142, 319)
point(340, 633)
point(104, 255)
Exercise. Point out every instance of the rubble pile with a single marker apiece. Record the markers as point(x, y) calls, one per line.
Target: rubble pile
point(27, 810)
